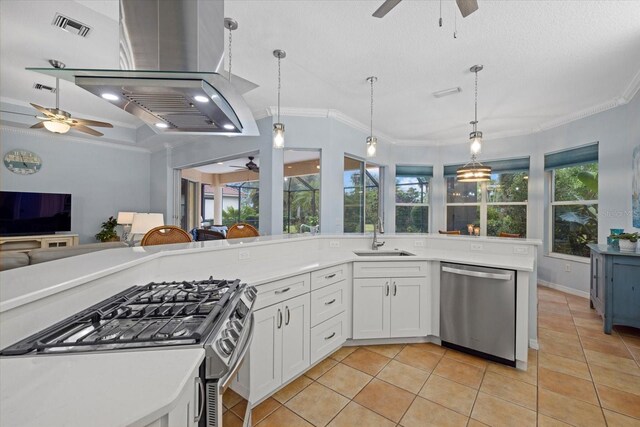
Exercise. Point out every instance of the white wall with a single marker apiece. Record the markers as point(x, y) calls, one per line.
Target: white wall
point(102, 180)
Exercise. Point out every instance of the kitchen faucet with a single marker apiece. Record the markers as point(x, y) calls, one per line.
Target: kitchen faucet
point(378, 227)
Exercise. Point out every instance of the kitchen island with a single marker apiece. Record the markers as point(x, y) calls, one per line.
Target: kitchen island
point(35, 297)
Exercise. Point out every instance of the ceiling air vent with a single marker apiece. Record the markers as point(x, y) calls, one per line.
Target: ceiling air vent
point(40, 86)
point(70, 25)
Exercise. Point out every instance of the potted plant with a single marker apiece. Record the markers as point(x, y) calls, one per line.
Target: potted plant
point(627, 241)
point(107, 231)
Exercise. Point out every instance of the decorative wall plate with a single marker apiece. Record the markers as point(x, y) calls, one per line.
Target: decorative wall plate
point(22, 162)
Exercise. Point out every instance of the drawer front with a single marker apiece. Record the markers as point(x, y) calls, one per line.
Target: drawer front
point(327, 276)
point(328, 301)
point(390, 269)
point(280, 290)
point(328, 337)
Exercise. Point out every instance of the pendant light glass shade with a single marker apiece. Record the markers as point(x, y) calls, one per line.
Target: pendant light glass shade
point(56, 127)
point(278, 136)
point(474, 171)
point(278, 128)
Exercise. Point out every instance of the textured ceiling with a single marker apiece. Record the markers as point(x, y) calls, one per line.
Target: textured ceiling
point(545, 61)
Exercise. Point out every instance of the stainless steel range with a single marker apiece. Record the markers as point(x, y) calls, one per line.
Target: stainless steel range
point(216, 314)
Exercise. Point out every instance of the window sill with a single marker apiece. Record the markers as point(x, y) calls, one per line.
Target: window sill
point(583, 260)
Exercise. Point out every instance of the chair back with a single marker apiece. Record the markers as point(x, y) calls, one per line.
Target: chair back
point(204, 235)
point(165, 235)
point(456, 232)
point(508, 235)
point(240, 230)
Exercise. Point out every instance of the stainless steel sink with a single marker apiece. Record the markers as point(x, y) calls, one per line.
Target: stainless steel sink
point(383, 253)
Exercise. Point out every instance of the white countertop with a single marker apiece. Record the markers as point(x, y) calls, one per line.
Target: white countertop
point(110, 389)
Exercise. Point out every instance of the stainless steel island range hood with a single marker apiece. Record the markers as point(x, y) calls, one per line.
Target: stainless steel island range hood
point(171, 52)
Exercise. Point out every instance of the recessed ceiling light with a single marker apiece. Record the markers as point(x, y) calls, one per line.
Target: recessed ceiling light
point(201, 98)
point(221, 163)
point(110, 97)
point(162, 125)
point(229, 127)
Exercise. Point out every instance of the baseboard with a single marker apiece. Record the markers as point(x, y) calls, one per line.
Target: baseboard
point(382, 341)
point(564, 289)
point(534, 344)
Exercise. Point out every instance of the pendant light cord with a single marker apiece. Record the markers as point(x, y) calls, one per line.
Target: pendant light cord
point(278, 89)
point(371, 118)
point(475, 122)
point(230, 31)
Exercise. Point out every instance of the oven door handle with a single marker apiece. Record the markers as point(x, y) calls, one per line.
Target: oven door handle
point(224, 381)
point(199, 399)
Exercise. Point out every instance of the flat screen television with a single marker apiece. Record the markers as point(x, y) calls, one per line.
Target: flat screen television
point(24, 213)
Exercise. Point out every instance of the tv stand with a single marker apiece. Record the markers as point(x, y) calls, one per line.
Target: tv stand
point(27, 243)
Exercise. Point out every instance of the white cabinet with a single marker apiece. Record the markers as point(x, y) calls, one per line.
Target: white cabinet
point(189, 406)
point(390, 306)
point(328, 336)
point(280, 347)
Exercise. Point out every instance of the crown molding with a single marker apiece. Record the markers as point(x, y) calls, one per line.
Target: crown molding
point(563, 120)
point(632, 88)
point(39, 134)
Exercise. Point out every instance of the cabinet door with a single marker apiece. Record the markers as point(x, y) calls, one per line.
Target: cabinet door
point(296, 330)
point(265, 370)
point(626, 293)
point(408, 297)
point(371, 308)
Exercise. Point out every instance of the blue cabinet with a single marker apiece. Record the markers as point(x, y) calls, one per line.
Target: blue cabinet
point(615, 286)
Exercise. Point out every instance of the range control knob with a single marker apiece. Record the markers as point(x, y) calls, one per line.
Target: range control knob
point(232, 334)
point(241, 311)
point(236, 324)
point(226, 346)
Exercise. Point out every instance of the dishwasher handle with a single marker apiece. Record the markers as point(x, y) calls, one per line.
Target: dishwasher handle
point(480, 274)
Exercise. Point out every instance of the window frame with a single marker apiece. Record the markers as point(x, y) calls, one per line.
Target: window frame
point(426, 204)
point(551, 188)
point(484, 204)
point(381, 179)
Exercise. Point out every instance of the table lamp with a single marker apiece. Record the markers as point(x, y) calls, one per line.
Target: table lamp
point(143, 222)
point(125, 219)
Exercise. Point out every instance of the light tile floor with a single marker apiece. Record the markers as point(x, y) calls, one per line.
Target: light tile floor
point(580, 377)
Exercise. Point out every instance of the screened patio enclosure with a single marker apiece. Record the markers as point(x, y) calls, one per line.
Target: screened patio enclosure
point(301, 203)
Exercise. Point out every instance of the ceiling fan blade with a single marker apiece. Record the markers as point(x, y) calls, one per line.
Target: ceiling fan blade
point(467, 7)
point(85, 129)
point(42, 110)
point(385, 8)
point(37, 125)
point(92, 123)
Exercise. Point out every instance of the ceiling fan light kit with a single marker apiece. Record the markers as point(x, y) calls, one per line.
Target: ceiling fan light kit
point(474, 171)
point(372, 141)
point(278, 128)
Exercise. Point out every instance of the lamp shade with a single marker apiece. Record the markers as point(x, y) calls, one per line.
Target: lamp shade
point(56, 127)
point(143, 222)
point(125, 218)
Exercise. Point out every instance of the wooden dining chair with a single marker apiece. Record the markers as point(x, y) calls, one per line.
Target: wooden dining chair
point(165, 235)
point(240, 230)
point(456, 232)
point(508, 235)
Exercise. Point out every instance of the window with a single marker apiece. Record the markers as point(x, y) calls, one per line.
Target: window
point(573, 177)
point(362, 196)
point(496, 206)
point(412, 198)
point(242, 204)
point(301, 191)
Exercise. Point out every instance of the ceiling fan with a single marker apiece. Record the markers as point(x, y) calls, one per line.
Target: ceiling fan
point(59, 121)
point(249, 166)
point(467, 7)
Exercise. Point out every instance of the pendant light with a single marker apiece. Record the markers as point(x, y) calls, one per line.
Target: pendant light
point(278, 128)
point(372, 141)
point(474, 171)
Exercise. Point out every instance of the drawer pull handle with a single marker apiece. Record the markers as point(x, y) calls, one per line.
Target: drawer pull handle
point(330, 302)
point(282, 291)
point(330, 336)
point(330, 276)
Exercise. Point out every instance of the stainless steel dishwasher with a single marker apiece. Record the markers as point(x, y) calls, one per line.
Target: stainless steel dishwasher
point(478, 311)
